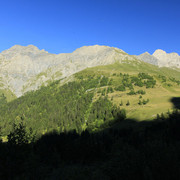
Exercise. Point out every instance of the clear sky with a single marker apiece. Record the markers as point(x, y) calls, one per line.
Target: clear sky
point(61, 26)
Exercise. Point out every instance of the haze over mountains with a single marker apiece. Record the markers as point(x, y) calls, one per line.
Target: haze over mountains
point(25, 68)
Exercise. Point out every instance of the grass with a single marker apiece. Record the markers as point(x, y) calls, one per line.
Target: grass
point(8, 94)
point(160, 96)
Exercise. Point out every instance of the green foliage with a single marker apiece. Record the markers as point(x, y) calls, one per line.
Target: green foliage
point(143, 102)
point(174, 80)
point(64, 108)
point(137, 81)
point(110, 82)
point(19, 135)
point(110, 90)
point(141, 92)
point(163, 78)
point(126, 150)
point(145, 76)
point(3, 99)
point(103, 92)
point(158, 117)
point(150, 83)
point(121, 103)
point(103, 110)
point(132, 92)
point(120, 88)
point(140, 103)
point(104, 81)
point(128, 103)
point(143, 79)
point(46, 109)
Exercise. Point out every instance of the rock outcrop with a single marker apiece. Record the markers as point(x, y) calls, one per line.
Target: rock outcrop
point(25, 68)
point(161, 59)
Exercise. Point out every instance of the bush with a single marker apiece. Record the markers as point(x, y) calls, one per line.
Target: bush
point(120, 88)
point(132, 92)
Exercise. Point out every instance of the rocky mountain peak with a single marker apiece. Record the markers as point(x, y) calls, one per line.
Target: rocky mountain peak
point(161, 58)
point(92, 50)
point(19, 48)
point(159, 52)
point(17, 51)
point(27, 67)
point(146, 53)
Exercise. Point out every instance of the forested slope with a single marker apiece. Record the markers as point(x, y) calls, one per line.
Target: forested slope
point(93, 97)
point(87, 127)
point(61, 108)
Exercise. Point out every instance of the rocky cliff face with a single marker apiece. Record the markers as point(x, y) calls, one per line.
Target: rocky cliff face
point(167, 59)
point(161, 58)
point(24, 68)
point(146, 57)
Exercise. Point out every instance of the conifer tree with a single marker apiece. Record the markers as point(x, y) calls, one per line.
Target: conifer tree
point(128, 103)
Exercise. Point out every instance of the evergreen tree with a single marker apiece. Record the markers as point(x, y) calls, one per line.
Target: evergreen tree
point(162, 116)
point(158, 117)
point(128, 103)
point(144, 101)
point(19, 135)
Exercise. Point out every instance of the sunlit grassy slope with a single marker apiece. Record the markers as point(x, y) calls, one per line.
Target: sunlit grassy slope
point(8, 94)
point(159, 96)
point(91, 97)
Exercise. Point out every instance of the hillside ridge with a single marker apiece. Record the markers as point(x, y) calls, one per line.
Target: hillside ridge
point(25, 68)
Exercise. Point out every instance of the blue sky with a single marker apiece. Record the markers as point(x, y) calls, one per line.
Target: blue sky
point(59, 26)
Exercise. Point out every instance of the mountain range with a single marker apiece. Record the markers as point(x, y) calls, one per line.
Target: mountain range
point(25, 68)
point(161, 59)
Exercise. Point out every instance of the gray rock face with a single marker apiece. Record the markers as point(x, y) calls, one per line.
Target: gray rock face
point(25, 68)
point(146, 57)
point(161, 58)
point(167, 59)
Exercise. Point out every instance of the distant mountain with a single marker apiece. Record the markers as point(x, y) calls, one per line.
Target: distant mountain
point(167, 59)
point(25, 68)
point(161, 58)
point(146, 57)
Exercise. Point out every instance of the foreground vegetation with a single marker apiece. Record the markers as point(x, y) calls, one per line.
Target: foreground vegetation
point(86, 128)
point(127, 149)
point(94, 97)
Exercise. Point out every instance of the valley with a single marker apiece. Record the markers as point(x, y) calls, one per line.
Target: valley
point(97, 111)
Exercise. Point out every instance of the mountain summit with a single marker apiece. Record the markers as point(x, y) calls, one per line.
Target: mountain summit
point(161, 58)
point(25, 68)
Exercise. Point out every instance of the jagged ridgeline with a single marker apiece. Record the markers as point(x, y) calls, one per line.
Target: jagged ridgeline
point(94, 98)
point(25, 68)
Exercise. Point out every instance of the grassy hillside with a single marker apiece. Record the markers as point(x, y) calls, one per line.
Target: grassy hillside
point(95, 97)
point(89, 126)
point(63, 108)
point(167, 86)
point(6, 96)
